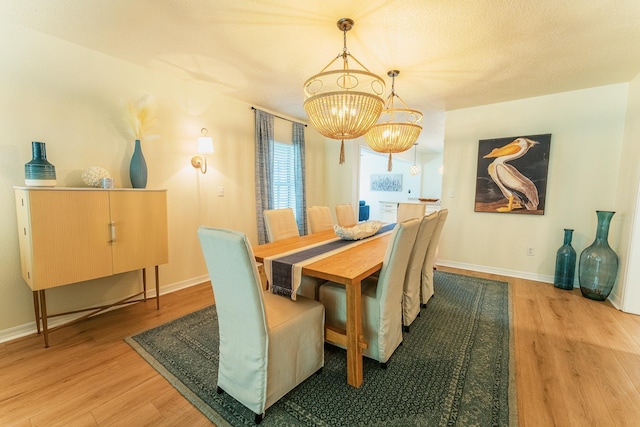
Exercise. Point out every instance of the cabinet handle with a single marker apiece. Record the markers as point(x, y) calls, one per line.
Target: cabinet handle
point(112, 227)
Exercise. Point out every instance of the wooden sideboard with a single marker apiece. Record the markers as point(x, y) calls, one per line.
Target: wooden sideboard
point(70, 235)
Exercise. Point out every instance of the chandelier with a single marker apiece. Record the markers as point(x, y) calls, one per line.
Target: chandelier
point(397, 129)
point(414, 169)
point(344, 103)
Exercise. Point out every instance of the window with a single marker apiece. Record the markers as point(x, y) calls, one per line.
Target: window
point(284, 192)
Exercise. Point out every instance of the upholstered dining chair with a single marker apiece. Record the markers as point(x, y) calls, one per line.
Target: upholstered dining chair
point(410, 210)
point(319, 218)
point(413, 278)
point(381, 297)
point(426, 289)
point(345, 215)
point(268, 343)
point(280, 224)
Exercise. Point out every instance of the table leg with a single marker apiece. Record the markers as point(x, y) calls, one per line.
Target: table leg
point(354, 331)
point(43, 313)
point(157, 289)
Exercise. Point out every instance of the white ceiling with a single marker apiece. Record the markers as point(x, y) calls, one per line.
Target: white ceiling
point(451, 54)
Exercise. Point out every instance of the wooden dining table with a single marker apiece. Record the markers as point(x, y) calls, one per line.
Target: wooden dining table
point(348, 268)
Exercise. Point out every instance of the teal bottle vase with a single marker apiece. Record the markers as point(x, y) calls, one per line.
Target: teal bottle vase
point(598, 265)
point(565, 263)
point(138, 168)
point(39, 172)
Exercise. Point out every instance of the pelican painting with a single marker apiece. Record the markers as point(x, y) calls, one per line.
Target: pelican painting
point(520, 191)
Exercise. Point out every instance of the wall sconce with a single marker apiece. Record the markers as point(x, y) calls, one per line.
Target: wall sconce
point(205, 146)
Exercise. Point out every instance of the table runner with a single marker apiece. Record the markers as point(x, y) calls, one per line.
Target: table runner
point(284, 271)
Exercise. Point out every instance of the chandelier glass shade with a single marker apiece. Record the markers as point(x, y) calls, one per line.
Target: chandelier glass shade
point(344, 103)
point(397, 128)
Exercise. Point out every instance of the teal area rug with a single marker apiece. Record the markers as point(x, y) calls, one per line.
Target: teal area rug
point(455, 367)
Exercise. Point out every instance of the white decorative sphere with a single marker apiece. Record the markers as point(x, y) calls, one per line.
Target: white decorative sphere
point(93, 175)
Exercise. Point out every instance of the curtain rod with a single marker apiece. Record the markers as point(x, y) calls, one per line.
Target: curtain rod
point(275, 115)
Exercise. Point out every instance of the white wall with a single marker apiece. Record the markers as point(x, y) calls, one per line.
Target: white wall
point(432, 167)
point(587, 129)
point(73, 99)
point(341, 180)
point(629, 206)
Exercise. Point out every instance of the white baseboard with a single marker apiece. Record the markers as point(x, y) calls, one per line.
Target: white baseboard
point(614, 298)
point(30, 328)
point(501, 271)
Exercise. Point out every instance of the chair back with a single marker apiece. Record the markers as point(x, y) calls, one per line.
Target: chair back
point(268, 344)
point(238, 294)
point(390, 286)
point(319, 218)
point(411, 295)
point(345, 215)
point(280, 224)
point(430, 258)
point(410, 210)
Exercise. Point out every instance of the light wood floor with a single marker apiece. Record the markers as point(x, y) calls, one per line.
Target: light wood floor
point(577, 364)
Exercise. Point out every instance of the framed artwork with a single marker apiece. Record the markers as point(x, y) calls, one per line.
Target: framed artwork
point(512, 174)
point(386, 182)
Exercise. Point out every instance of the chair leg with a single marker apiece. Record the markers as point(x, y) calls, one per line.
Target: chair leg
point(383, 365)
point(319, 371)
point(423, 305)
point(219, 390)
point(405, 328)
point(258, 418)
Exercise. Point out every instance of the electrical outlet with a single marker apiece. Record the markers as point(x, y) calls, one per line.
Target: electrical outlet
point(529, 251)
point(220, 191)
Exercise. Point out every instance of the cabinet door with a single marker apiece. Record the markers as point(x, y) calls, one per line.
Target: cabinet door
point(69, 236)
point(140, 219)
point(388, 212)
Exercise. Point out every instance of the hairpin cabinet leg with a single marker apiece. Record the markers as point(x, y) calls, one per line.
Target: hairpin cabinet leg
point(36, 310)
point(157, 289)
point(43, 314)
point(144, 283)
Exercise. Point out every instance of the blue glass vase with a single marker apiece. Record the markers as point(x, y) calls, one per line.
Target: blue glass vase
point(39, 172)
point(598, 266)
point(565, 263)
point(138, 168)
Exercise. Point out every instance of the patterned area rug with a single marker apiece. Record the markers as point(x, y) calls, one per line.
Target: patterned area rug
point(455, 367)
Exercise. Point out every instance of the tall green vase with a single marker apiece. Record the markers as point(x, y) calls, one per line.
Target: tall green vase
point(138, 168)
point(565, 263)
point(598, 266)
